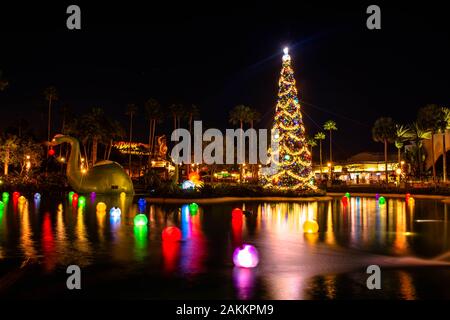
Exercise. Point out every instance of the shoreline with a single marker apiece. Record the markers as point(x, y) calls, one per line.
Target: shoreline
point(161, 200)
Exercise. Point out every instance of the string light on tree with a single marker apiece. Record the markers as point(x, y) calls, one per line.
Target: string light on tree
point(293, 168)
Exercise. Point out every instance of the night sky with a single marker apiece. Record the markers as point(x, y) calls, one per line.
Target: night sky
point(222, 56)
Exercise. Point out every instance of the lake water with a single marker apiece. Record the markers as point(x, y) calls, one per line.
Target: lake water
point(409, 240)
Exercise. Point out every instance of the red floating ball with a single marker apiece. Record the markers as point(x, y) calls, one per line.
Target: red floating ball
point(344, 200)
point(172, 234)
point(51, 152)
point(236, 213)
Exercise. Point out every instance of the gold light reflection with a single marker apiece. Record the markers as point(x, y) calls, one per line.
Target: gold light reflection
point(81, 242)
point(407, 288)
point(26, 236)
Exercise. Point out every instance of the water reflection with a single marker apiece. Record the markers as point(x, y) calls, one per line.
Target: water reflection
point(293, 265)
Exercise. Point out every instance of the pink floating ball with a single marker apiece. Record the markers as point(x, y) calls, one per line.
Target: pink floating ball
point(246, 256)
point(171, 234)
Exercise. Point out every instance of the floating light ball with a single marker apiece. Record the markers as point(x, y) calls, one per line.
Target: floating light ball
point(377, 196)
point(381, 201)
point(344, 200)
point(408, 196)
point(81, 201)
point(37, 196)
point(22, 199)
point(188, 185)
point(246, 256)
point(2, 206)
point(140, 220)
point(93, 195)
point(193, 208)
point(236, 213)
point(60, 207)
point(5, 197)
point(310, 226)
point(101, 206)
point(347, 194)
point(115, 212)
point(171, 234)
point(71, 193)
point(75, 199)
point(51, 152)
point(123, 195)
point(411, 200)
point(16, 195)
point(142, 203)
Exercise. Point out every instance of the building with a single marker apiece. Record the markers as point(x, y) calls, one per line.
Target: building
point(362, 168)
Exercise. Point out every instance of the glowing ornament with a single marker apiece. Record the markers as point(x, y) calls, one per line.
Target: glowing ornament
point(71, 193)
point(81, 201)
point(101, 206)
point(51, 152)
point(2, 206)
point(93, 195)
point(246, 256)
point(37, 196)
point(411, 200)
point(60, 207)
point(408, 196)
point(236, 213)
point(310, 226)
point(347, 194)
point(16, 195)
point(171, 234)
point(115, 212)
point(5, 197)
point(188, 185)
point(344, 200)
point(381, 201)
point(140, 220)
point(123, 195)
point(142, 203)
point(377, 196)
point(193, 208)
point(22, 199)
point(75, 199)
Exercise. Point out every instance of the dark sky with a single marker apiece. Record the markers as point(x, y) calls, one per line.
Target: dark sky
point(218, 57)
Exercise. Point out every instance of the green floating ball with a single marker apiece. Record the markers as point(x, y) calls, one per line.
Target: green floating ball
point(193, 208)
point(381, 200)
point(140, 220)
point(81, 201)
point(2, 206)
point(347, 194)
point(71, 193)
point(5, 197)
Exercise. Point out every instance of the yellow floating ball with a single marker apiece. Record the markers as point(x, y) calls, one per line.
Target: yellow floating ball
point(123, 195)
point(22, 199)
point(310, 226)
point(101, 206)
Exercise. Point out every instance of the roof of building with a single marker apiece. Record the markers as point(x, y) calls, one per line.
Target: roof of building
point(370, 157)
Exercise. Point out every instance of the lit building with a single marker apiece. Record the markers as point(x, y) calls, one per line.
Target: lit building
point(362, 168)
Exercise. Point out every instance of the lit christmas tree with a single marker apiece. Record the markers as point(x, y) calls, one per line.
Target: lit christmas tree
point(291, 167)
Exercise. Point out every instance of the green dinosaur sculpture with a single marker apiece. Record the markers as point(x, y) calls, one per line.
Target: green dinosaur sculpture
point(105, 177)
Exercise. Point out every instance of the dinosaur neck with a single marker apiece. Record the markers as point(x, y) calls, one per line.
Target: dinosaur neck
point(73, 165)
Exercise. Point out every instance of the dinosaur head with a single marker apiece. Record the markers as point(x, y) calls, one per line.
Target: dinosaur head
point(58, 139)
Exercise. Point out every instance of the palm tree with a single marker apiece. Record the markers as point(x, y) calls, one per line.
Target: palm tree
point(178, 112)
point(402, 134)
point(252, 117)
point(384, 131)
point(330, 125)
point(154, 114)
point(131, 111)
point(192, 113)
point(311, 142)
point(418, 134)
point(51, 95)
point(238, 115)
point(432, 118)
point(320, 136)
point(444, 148)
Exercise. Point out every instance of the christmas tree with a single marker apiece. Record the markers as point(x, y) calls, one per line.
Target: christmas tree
point(290, 161)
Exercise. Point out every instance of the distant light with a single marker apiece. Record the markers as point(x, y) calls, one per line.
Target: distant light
point(286, 50)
